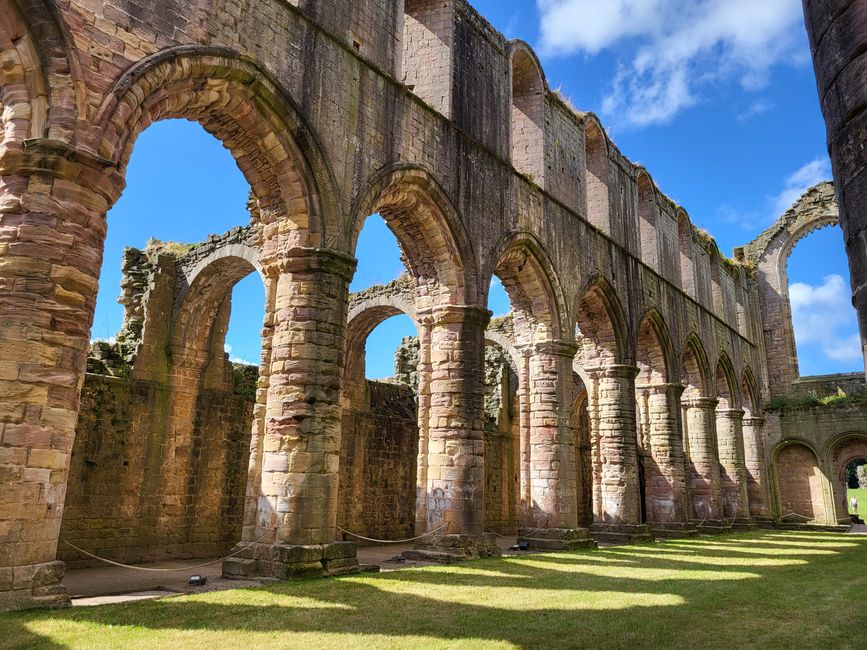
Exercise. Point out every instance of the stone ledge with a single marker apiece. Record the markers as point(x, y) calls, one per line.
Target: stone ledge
point(32, 586)
point(621, 533)
point(447, 549)
point(556, 539)
point(294, 561)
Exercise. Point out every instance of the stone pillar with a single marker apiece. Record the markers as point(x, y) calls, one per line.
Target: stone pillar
point(424, 402)
point(617, 443)
point(700, 444)
point(756, 470)
point(456, 446)
point(838, 39)
point(455, 491)
point(665, 481)
point(730, 443)
point(296, 513)
point(553, 480)
point(52, 229)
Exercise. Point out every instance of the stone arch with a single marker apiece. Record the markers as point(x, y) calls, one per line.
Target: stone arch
point(769, 253)
point(583, 453)
point(247, 110)
point(245, 252)
point(37, 90)
point(529, 90)
point(201, 321)
point(539, 311)
point(726, 384)
point(648, 214)
point(695, 370)
point(365, 317)
point(500, 339)
point(601, 326)
point(800, 483)
point(653, 351)
point(686, 246)
point(597, 165)
point(426, 58)
point(437, 250)
point(660, 457)
point(841, 451)
point(750, 399)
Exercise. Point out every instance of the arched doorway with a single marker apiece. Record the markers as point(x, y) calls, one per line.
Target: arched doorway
point(800, 484)
point(848, 454)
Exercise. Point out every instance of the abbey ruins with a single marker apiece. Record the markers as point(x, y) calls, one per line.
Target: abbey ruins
point(643, 386)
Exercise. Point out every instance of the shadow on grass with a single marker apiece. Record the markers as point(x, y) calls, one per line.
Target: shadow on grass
point(704, 592)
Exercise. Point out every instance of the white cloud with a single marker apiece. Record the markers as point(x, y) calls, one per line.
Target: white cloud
point(759, 107)
point(793, 186)
point(813, 173)
point(823, 316)
point(228, 350)
point(678, 47)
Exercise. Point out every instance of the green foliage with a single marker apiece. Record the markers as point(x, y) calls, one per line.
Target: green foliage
point(836, 400)
point(246, 380)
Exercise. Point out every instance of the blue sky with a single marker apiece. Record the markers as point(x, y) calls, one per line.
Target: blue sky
point(716, 97)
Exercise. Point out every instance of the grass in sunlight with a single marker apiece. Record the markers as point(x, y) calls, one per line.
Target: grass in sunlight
point(768, 589)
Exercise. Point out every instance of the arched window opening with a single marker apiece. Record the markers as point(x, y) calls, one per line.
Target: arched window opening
point(528, 117)
point(687, 255)
point(820, 297)
point(428, 29)
point(648, 212)
point(596, 154)
point(168, 404)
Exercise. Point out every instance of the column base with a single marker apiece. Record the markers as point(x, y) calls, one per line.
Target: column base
point(448, 549)
point(713, 526)
point(674, 530)
point(295, 561)
point(745, 524)
point(814, 528)
point(621, 533)
point(764, 521)
point(33, 585)
point(556, 539)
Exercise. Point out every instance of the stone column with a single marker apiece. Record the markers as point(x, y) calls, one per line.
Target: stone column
point(424, 402)
point(455, 490)
point(553, 467)
point(838, 39)
point(53, 202)
point(665, 481)
point(700, 434)
point(456, 447)
point(297, 505)
point(617, 443)
point(756, 471)
point(730, 443)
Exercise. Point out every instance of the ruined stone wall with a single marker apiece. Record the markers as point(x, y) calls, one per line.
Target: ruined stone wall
point(138, 495)
point(379, 447)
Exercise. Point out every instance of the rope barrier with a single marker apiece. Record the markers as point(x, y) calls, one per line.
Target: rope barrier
point(795, 514)
point(157, 570)
point(391, 541)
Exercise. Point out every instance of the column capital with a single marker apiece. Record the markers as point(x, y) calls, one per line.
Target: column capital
point(706, 403)
point(59, 159)
point(731, 414)
point(756, 421)
point(469, 314)
point(665, 388)
point(555, 348)
point(621, 371)
point(300, 259)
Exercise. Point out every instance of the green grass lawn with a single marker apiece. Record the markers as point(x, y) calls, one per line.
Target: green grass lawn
point(861, 495)
point(768, 590)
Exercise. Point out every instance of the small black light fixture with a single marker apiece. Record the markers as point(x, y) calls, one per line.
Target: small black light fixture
point(198, 581)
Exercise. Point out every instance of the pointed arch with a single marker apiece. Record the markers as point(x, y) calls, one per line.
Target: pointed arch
point(429, 230)
point(529, 89)
point(37, 79)
point(536, 295)
point(750, 398)
point(725, 383)
point(695, 370)
point(653, 351)
point(648, 213)
point(601, 325)
point(597, 164)
point(244, 107)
